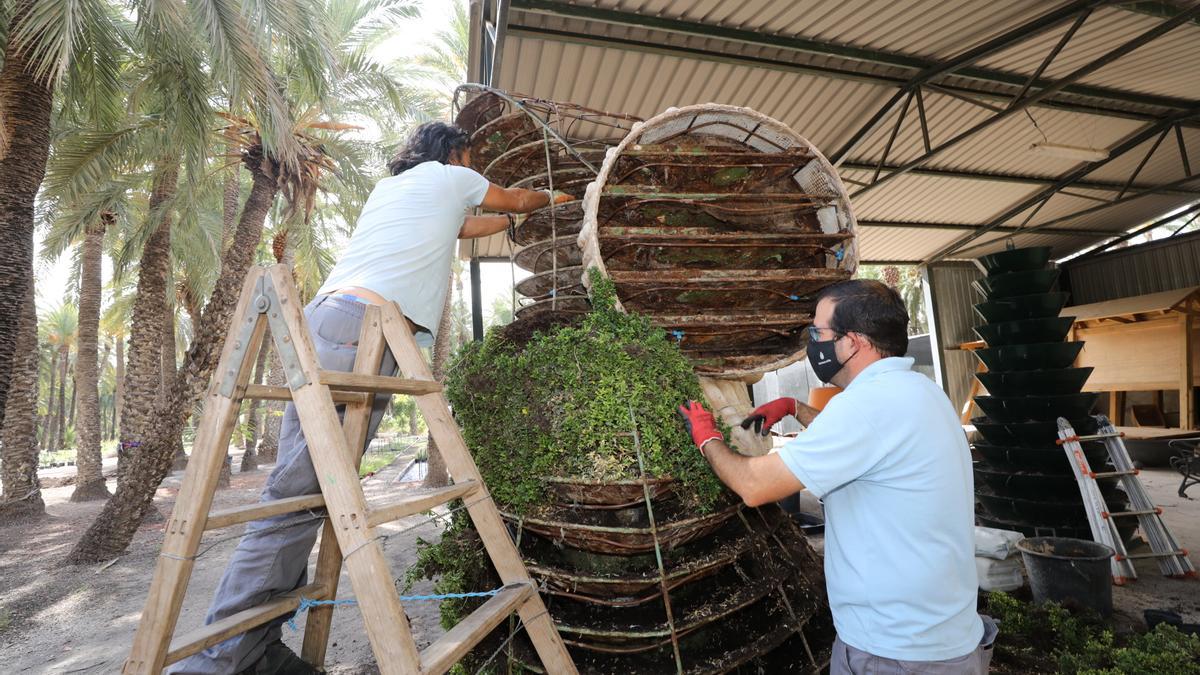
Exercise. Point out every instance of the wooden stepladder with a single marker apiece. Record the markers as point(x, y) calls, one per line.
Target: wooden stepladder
point(269, 299)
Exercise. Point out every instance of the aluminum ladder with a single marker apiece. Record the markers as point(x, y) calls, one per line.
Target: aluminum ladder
point(269, 299)
point(1172, 559)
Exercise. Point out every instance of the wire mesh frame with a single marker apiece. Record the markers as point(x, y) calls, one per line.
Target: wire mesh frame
point(559, 123)
point(757, 132)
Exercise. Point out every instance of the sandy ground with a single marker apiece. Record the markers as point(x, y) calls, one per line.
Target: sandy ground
point(57, 619)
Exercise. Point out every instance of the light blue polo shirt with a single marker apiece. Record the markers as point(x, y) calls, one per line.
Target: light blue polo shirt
point(890, 461)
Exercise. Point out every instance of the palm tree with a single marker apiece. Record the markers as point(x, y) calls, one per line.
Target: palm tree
point(18, 437)
point(62, 331)
point(116, 524)
point(74, 48)
point(89, 476)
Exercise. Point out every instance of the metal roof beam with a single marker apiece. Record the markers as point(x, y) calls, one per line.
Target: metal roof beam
point(1070, 179)
point(1078, 10)
point(1141, 230)
point(839, 73)
point(1017, 178)
point(966, 227)
point(1019, 106)
point(825, 49)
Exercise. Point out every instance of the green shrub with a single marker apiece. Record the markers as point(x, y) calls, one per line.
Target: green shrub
point(559, 406)
point(1049, 635)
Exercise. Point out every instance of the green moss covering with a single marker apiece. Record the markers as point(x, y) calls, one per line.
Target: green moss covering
point(559, 406)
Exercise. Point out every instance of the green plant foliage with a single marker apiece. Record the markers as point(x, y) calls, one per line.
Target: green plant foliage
point(1047, 636)
point(457, 564)
point(559, 406)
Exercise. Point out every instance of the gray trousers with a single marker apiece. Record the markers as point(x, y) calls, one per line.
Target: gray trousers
point(269, 561)
point(847, 660)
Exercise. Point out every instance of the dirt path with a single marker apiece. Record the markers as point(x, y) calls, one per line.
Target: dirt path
point(56, 619)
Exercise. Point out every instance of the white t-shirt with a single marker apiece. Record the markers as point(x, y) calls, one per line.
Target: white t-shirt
point(405, 238)
point(891, 463)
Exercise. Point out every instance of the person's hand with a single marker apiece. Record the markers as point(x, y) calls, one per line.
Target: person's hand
point(766, 415)
point(700, 424)
point(559, 197)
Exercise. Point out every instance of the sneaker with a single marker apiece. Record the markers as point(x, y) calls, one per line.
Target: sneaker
point(279, 660)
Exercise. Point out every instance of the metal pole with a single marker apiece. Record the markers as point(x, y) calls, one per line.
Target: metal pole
point(476, 300)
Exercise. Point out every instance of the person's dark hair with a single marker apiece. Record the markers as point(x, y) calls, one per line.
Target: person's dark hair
point(431, 142)
point(872, 310)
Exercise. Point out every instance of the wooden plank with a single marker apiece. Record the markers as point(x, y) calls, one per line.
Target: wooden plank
point(383, 616)
point(438, 657)
point(1187, 379)
point(411, 504)
point(182, 533)
point(377, 384)
point(265, 392)
point(235, 624)
point(1116, 407)
point(1130, 357)
point(492, 531)
point(355, 425)
point(247, 512)
point(1137, 304)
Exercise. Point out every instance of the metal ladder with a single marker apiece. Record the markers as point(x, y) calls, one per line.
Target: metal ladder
point(1172, 558)
point(269, 299)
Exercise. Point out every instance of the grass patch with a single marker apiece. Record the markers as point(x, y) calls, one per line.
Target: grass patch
point(376, 460)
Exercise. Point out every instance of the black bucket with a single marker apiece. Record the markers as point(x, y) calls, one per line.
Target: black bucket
point(1073, 572)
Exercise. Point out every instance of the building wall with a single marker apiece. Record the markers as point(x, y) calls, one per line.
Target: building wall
point(1149, 268)
point(952, 299)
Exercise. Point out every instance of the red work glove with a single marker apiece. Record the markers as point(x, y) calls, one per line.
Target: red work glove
point(700, 424)
point(766, 415)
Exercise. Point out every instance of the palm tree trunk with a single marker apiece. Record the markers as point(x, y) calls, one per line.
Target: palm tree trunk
point(18, 438)
point(118, 385)
point(249, 461)
point(116, 524)
point(71, 397)
point(25, 104)
point(64, 358)
point(48, 426)
point(89, 475)
point(143, 367)
point(102, 405)
point(436, 475)
point(169, 369)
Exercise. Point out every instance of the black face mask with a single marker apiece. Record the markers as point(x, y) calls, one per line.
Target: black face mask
point(823, 358)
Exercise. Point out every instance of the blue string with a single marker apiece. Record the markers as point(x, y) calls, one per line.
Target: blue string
point(307, 603)
point(793, 298)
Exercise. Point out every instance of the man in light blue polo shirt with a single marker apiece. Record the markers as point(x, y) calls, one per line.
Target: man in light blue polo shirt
point(891, 463)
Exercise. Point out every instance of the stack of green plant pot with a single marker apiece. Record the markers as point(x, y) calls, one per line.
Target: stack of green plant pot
point(1023, 480)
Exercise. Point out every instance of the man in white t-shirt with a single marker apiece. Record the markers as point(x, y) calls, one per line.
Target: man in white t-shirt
point(890, 461)
point(401, 251)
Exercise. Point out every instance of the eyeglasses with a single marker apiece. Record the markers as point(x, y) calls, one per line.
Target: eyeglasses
point(814, 332)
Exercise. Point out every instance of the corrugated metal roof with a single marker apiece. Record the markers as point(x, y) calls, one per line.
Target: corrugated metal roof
point(1169, 66)
point(642, 71)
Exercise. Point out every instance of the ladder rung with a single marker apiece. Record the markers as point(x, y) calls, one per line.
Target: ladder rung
point(1095, 437)
point(377, 384)
point(248, 512)
point(1146, 512)
point(187, 644)
point(439, 656)
point(264, 392)
point(1164, 554)
point(1110, 474)
point(424, 501)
